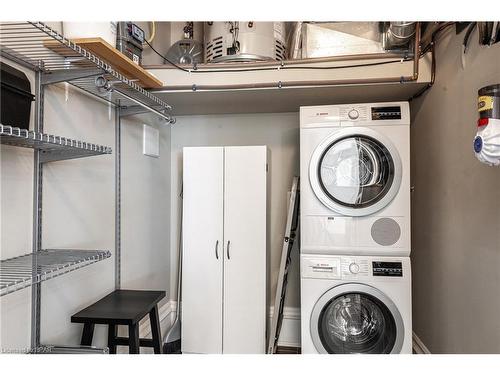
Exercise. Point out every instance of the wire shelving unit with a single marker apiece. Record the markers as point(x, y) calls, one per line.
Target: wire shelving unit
point(39, 47)
point(55, 59)
point(29, 269)
point(52, 147)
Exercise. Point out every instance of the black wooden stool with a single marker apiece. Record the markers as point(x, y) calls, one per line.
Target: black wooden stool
point(123, 307)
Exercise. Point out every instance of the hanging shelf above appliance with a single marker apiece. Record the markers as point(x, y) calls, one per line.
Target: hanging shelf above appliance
point(271, 87)
point(33, 45)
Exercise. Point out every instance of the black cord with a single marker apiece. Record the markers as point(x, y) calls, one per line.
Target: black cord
point(167, 60)
point(471, 28)
point(434, 36)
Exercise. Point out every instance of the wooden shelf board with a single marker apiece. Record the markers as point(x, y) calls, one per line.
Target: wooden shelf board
point(112, 56)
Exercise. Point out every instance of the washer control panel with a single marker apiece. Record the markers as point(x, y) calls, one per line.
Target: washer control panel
point(352, 267)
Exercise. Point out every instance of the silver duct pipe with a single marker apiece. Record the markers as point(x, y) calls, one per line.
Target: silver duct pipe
point(399, 33)
point(295, 39)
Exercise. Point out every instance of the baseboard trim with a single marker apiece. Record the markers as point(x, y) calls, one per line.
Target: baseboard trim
point(418, 346)
point(288, 313)
point(290, 328)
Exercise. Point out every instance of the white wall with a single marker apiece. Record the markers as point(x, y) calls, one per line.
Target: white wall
point(79, 212)
point(16, 184)
point(455, 207)
point(161, 42)
point(146, 211)
point(280, 132)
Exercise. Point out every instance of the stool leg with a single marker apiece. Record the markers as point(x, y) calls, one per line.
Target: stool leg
point(112, 333)
point(155, 330)
point(88, 334)
point(133, 338)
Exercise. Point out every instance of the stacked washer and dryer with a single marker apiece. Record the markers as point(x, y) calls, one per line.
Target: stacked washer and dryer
point(355, 228)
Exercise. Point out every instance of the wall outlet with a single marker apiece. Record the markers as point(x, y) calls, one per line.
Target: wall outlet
point(151, 141)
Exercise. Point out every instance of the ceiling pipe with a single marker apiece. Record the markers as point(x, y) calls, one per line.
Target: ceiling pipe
point(213, 67)
point(416, 53)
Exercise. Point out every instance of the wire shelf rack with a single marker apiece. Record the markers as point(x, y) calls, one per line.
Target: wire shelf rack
point(29, 269)
point(53, 147)
point(37, 46)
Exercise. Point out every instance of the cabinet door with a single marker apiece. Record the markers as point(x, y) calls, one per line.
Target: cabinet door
point(202, 262)
point(245, 260)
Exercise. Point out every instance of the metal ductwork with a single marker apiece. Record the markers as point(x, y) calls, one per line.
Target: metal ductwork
point(398, 34)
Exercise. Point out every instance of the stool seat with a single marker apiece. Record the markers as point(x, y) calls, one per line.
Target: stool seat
point(123, 307)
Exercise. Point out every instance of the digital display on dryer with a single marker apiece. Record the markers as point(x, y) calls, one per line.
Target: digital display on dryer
point(386, 113)
point(392, 269)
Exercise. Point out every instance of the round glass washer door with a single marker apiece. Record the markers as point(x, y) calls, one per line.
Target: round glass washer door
point(356, 318)
point(355, 171)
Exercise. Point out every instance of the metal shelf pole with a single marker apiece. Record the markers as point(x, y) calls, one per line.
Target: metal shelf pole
point(117, 198)
point(37, 210)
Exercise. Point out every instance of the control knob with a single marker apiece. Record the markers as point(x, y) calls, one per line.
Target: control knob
point(353, 114)
point(354, 268)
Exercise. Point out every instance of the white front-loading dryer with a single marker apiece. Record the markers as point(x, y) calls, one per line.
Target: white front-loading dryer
point(355, 179)
point(353, 304)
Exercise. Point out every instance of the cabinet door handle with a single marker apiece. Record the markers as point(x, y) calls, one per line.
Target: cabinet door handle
point(217, 249)
point(228, 243)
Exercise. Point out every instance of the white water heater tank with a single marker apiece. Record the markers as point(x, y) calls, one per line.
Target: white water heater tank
point(244, 41)
point(78, 30)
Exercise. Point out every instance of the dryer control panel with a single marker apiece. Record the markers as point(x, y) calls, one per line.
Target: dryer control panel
point(357, 114)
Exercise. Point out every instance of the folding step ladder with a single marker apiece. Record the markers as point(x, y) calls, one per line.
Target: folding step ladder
point(291, 230)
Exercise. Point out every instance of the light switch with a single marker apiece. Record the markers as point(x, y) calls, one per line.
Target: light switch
point(151, 141)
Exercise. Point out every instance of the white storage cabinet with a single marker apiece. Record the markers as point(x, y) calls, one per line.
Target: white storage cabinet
point(224, 250)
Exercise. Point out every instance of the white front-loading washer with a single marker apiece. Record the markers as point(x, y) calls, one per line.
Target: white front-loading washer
point(354, 304)
point(355, 179)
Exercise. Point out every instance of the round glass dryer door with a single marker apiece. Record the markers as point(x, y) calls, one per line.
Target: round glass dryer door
point(355, 171)
point(356, 319)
